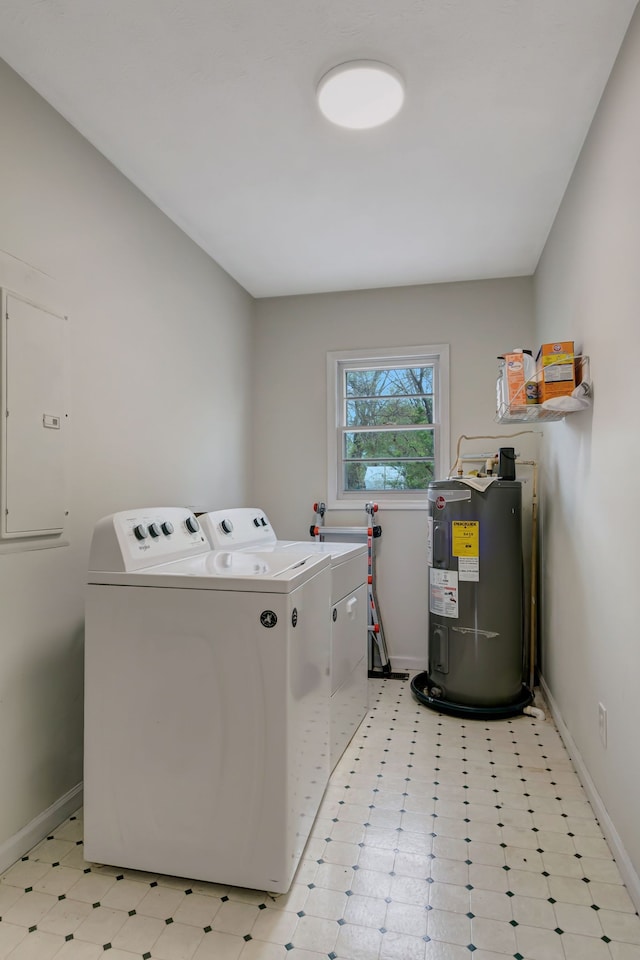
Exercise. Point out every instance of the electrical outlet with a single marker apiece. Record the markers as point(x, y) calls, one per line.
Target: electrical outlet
point(602, 723)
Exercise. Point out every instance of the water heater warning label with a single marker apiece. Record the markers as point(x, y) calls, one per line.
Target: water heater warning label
point(443, 592)
point(465, 539)
point(469, 568)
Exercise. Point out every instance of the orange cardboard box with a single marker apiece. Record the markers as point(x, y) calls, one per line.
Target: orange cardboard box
point(556, 369)
point(519, 370)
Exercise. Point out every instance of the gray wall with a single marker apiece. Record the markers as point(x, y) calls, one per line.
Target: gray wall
point(292, 337)
point(587, 287)
point(160, 406)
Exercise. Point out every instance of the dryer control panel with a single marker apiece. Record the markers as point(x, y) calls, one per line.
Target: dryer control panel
point(237, 527)
point(134, 539)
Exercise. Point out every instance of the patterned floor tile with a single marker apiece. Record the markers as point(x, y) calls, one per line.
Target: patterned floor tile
point(437, 839)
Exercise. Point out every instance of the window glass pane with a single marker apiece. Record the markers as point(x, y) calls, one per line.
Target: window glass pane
point(375, 412)
point(388, 459)
point(388, 444)
point(388, 475)
point(389, 382)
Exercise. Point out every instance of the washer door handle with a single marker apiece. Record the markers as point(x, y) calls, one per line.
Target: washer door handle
point(351, 607)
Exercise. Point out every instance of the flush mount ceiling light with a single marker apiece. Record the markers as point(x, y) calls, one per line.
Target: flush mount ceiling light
point(360, 94)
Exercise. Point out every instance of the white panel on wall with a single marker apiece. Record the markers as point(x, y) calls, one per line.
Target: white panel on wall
point(34, 420)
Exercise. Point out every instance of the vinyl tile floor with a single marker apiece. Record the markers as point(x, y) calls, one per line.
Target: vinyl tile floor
point(437, 839)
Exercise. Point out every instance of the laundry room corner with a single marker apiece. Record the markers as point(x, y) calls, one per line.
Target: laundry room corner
point(292, 338)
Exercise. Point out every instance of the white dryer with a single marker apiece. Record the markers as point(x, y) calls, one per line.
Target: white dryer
point(248, 528)
point(206, 702)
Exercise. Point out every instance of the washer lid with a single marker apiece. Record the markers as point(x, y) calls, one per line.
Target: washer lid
point(264, 572)
point(236, 563)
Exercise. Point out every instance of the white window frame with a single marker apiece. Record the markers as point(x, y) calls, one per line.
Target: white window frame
point(340, 360)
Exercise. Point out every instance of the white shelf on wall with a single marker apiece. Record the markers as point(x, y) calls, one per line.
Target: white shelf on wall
point(537, 412)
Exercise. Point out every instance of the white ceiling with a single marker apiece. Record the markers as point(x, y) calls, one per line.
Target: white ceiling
point(208, 107)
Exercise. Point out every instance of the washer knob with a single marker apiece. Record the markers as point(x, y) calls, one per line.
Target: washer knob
point(227, 526)
point(167, 528)
point(154, 530)
point(256, 521)
point(263, 521)
point(140, 532)
point(192, 524)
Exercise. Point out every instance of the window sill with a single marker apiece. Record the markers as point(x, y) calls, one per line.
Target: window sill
point(385, 505)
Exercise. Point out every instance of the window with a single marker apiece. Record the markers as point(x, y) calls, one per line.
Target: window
point(388, 424)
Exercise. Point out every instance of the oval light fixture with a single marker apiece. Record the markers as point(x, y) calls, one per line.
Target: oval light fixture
point(360, 94)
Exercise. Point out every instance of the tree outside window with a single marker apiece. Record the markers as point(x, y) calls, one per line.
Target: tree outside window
point(391, 445)
point(388, 414)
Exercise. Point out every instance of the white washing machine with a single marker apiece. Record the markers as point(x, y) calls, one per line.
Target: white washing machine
point(206, 702)
point(248, 528)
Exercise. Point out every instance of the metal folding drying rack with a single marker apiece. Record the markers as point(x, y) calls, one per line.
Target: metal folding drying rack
point(368, 535)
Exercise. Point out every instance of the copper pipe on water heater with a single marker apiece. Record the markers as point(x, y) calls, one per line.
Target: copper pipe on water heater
point(457, 466)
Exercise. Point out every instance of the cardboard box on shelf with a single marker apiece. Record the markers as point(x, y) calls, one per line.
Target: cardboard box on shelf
point(519, 374)
point(556, 369)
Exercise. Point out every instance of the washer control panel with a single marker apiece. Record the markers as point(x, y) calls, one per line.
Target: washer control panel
point(237, 527)
point(133, 539)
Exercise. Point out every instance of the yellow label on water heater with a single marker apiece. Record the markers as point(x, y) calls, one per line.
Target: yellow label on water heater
point(465, 538)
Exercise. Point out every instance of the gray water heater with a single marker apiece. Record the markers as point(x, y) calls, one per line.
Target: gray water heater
point(476, 648)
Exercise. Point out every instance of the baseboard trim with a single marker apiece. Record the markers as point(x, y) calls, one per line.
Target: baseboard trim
point(35, 831)
point(625, 866)
point(408, 663)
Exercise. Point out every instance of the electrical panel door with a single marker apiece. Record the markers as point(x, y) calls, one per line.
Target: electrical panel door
point(33, 420)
